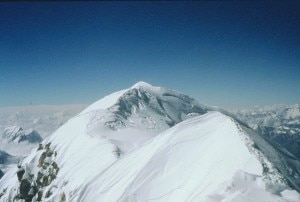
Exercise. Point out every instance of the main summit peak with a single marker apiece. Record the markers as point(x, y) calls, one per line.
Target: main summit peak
point(142, 84)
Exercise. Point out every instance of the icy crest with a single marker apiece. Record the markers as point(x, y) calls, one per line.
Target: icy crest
point(142, 84)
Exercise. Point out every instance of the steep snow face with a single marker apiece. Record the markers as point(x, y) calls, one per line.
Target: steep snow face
point(201, 159)
point(139, 113)
point(64, 161)
point(154, 107)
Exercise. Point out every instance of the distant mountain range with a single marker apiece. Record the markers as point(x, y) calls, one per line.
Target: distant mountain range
point(37, 123)
point(45, 118)
point(16, 144)
point(279, 123)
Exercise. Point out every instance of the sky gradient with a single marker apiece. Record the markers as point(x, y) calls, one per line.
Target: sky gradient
point(229, 54)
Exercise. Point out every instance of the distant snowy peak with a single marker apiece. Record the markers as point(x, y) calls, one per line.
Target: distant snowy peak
point(157, 104)
point(142, 84)
point(159, 108)
point(113, 98)
point(17, 134)
point(284, 111)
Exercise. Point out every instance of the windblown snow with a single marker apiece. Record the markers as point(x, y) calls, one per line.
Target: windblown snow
point(149, 143)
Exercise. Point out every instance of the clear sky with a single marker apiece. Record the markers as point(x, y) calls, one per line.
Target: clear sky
point(229, 54)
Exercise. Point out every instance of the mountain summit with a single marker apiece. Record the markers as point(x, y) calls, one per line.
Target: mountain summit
point(149, 143)
point(17, 134)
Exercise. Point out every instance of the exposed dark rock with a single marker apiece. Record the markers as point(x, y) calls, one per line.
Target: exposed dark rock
point(40, 147)
point(117, 152)
point(1, 174)
point(42, 159)
point(48, 194)
point(30, 188)
point(39, 195)
point(47, 146)
point(25, 186)
point(2, 192)
point(20, 173)
point(62, 197)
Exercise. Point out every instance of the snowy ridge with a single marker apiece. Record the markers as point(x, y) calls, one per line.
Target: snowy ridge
point(148, 143)
point(150, 172)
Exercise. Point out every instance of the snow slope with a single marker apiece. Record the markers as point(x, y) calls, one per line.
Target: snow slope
point(201, 159)
point(148, 143)
point(184, 163)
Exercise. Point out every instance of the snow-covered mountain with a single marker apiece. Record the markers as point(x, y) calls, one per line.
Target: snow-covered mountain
point(15, 144)
point(16, 134)
point(19, 142)
point(271, 116)
point(279, 123)
point(45, 119)
point(149, 143)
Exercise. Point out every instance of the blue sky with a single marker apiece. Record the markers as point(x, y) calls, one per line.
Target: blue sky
point(229, 54)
